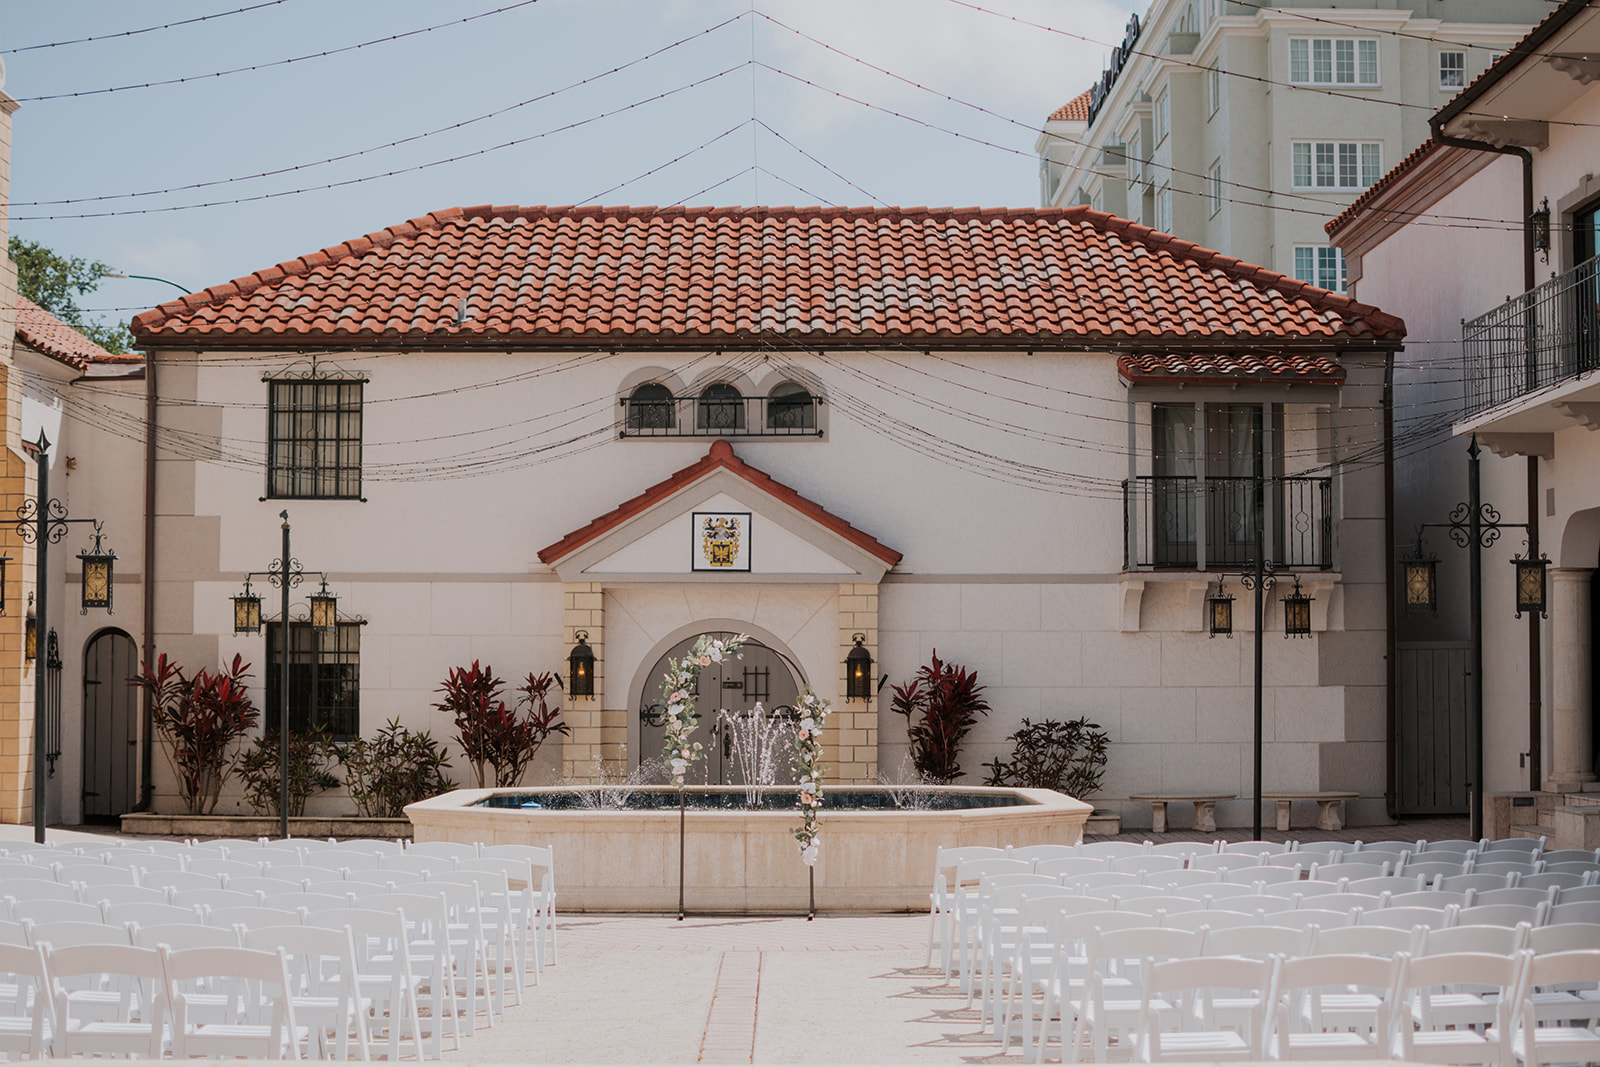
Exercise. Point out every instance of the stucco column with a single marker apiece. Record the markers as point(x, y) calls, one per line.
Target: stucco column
point(850, 739)
point(1572, 740)
point(583, 608)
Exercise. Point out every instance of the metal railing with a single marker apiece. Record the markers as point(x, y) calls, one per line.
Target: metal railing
point(1165, 516)
point(1546, 335)
point(750, 416)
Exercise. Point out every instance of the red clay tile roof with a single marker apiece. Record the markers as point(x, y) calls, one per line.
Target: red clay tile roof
point(39, 329)
point(992, 278)
point(1377, 188)
point(1196, 367)
point(1074, 110)
point(720, 457)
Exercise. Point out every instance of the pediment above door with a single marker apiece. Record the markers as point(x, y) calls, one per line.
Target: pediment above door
point(719, 520)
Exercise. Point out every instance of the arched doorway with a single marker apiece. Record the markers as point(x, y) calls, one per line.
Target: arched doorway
point(761, 674)
point(110, 727)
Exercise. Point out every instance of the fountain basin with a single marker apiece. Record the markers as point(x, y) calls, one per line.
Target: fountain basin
point(747, 861)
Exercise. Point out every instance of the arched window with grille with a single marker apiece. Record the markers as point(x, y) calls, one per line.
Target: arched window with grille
point(791, 406)
point(650, 408)
point(721, 407)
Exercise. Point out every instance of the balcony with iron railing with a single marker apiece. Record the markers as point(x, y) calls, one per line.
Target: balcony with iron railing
point(1548, 335)
point(1187, 523)
point(697, 416)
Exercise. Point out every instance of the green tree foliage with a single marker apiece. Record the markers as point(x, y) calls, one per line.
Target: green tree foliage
point(55, 282)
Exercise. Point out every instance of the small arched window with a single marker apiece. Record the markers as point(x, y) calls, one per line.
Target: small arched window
point(791, 407)
point(650, 408)
point(721, 408)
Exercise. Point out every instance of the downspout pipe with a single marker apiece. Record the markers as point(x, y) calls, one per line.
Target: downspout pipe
point(147, 792)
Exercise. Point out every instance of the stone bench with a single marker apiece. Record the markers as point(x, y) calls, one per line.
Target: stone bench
point(1205, 804)
point(1328, 807)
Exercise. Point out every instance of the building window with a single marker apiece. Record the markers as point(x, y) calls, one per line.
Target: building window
point(1333, 61)
point(1452, 70)
point(1215, 80)
point(721, 407)
point(1214, 186)
point(1336, 164)
point(1164, 210)
point(791, 407)
point(1163, 116)
point(650, 408)
point(1133, 158)
point(324, 678)
point(1320, 265)
point(314, 439)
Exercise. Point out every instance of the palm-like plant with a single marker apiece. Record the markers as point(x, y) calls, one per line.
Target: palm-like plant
point(941, 705)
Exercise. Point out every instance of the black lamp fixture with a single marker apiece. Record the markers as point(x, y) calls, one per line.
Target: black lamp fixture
point(1531, 584)
point(1539, 223)
point(324, 609)
point(247, 611)
point(97, 571)
point(1297, 613)
point(1219, 612)
point(858, 671)
point(1421, 580)
point(580, 667)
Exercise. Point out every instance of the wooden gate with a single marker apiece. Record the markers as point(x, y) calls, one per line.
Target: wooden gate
point(1431, 728)
point(110, 727)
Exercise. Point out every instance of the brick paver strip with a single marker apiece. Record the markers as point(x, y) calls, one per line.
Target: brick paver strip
point(730, 1035)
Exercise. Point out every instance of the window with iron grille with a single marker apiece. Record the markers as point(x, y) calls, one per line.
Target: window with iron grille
point(324, 678)
point(314, 439)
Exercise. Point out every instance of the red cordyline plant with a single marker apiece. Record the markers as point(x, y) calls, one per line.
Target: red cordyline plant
point(493, 734)
point(941, 705)
point(202, 720)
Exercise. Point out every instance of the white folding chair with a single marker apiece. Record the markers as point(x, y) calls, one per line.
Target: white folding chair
point(1257, 848)
point(1501, 915)
point(16, 893)
point(1209, 919)
point(1385, 941)
point(1000, 934)
point(1563, 937)
point(55, 911)
point(1298, 890)
point(1566, 913)
point(95, 874)
point(415, 864)
point(310, 875)
point(127, 976)
point(1430, 1031)
point(1258, 942)
point(1426, 867)
point(1116, 962)
point(450, 850)
point(1526, 896)
point(1194, 983)
point(428, 946)
point(250, 917)
point(370, 846)
point(224, 868)
point(338, 859)
point(1266, 874)
point(1430, 898)
point(1113, 849)
point(1072, 866)
point(147, 914)
point(1477, 883)
point(1224, 861)
point(1324, 852)
point(964, 910)
point(1532, 847)
point(273, 855)
point(1550, 878)
point(1349, 870)
point(72, 934)
point(1309, 917)
point(941, 899)
point(125, 894)
point(258, 980)
point(1410, 918)
point(1335, 1007)
point(1572, 1037)
point(1147, 863)
point(265, 886)
point(182, 881)
point(504, 936)
point(1063, 985)
point(214, 898)
point(1510, 869)
point(324, 989)
point(1458, 847)
point(529, 871)
point(24, 1002)
point(1381, 885)
point(1186, 849)
point(1039, 853)
point(385, 976)
point(1181, 879)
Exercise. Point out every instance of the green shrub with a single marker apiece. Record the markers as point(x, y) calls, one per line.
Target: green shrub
point(1069, 757)
point(393, 768)
point(311, 755)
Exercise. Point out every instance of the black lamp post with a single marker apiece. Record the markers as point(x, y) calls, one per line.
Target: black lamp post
point(1476, 526)
point(43, 522)
point(285, 573)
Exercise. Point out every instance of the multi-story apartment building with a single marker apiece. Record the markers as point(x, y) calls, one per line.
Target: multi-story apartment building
point(1244, 127)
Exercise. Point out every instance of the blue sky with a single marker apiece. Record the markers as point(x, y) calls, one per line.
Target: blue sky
point(768, 137)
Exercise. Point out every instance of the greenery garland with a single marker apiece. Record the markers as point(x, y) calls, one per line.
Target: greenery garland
point(676, 691)
point(807, 765)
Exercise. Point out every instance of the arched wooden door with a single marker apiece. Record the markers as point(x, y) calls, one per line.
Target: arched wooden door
point(110, 727)
point(760, 675)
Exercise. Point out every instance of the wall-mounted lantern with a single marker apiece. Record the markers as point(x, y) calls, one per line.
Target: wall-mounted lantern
point(1539, 223)
point(580, 666)
point(858, 671)
point(1297, 613)
point(1421, 583)
point(1219, 612)
point(97, 574)
point(1531, 584)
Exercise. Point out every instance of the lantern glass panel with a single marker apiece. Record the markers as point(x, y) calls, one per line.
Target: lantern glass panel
point(31, 639)
point(580, 670)
point(858, 672)
point(96, 581)
point(1422, 583)
point(246, 614)
point(1297, 615)
point(1221, 616)
point(324, 611)
point(1530, 585)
